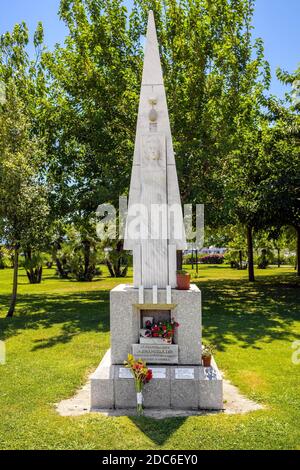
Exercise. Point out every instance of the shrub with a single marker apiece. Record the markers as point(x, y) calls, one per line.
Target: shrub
point(33, 264)
point(191, 259)
point(266, 257)
point(75, 263)
point(290, 259)
point(212, 259)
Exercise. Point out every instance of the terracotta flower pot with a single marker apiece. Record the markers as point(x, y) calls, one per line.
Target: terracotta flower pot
point(206, 361)
point(183, 281)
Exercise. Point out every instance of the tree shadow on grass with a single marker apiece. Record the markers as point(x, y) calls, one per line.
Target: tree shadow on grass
point(159, 431)
point(237, 311)
point(76, 313)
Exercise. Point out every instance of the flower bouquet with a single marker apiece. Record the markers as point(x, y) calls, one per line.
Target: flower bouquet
point(162, 329)
point(141, 375)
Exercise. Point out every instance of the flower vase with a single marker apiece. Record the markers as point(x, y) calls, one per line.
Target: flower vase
point(139, 398)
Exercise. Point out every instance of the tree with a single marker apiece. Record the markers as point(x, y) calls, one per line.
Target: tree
point(92, 110)
point(209, 67)
point(79, 254)
point(117, 261)
point(23, 140)
point(212, 72)
point(282, 144)
point(23, 201)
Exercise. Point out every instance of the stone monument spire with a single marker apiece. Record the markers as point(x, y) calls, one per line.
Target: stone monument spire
point(154, 229)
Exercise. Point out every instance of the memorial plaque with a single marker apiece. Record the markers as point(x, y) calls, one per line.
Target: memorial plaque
point(152, 340)
point(156, 353)
point(125, 373)
point(159, 373)
point(185, 374)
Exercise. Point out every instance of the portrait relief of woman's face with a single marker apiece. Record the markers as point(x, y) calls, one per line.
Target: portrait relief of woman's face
point(152, 151)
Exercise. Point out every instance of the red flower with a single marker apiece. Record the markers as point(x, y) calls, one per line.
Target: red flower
point(149, 376)
point(164, 327)
point(137, 366)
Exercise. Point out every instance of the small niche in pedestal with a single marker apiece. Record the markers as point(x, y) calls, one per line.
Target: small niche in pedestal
point(148, 320)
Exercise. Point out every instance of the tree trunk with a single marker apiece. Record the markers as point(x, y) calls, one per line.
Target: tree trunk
point(110, 268)
point(298, 250)
point(278, 258)
point(87, 255)
point(179, 260)
point(34, 274)
point(62, 273)
point(250, 254)
point(241, 259)
point(124, 272)
point(40, 274)
point(197, 262)
point(13, 301)
point(117, 265)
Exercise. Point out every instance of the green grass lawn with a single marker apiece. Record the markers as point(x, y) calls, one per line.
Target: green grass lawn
point(61, 331)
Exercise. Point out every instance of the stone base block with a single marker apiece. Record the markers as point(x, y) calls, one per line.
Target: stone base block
point(125, 320)
point(172, 387)
point(102, 384)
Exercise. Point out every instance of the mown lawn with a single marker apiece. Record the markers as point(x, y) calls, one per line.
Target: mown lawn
point(61, 331)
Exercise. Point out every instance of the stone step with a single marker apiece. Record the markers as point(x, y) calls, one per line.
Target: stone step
point(172, 387)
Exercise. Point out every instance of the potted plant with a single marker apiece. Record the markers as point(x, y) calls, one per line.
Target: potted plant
point(207, 353)
point(183, 280)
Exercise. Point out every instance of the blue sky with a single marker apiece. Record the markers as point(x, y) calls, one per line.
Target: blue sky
point(276, 21)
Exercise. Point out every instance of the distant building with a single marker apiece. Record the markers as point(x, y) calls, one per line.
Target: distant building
point(212, 250)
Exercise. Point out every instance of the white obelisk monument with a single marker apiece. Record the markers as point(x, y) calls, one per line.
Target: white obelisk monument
point(154, 196)
point(154, 231)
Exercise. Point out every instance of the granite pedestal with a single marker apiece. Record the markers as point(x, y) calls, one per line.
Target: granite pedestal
point(125, 315)
point(181, 384)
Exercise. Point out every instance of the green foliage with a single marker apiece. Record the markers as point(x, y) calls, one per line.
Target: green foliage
point(5, 257)
point(211, 73)
point(236, 151)
point(208, 350)
point(266, 257)
point(23, 198)
point(290, 259)
point(117, 260)
point(79, 255)
point(212, 259)
point(182, 272)
point(24, 207)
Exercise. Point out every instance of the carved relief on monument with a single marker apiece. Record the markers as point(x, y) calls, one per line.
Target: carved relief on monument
point(153, 151)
